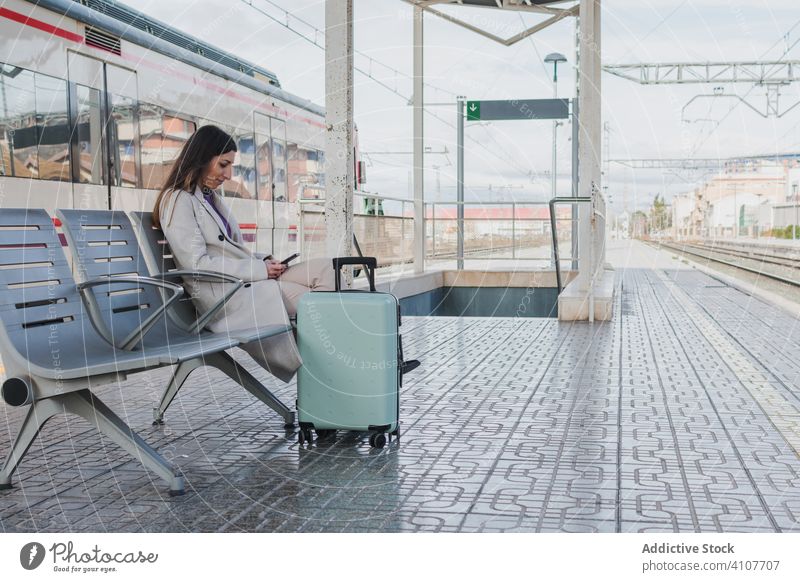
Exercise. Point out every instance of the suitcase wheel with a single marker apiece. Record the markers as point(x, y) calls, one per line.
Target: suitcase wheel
point(305, 436)
point(377, 440)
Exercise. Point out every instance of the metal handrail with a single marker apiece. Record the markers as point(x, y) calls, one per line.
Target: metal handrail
point(552, 203)
point(483, 203)
point(514, 219)
point(362, 193)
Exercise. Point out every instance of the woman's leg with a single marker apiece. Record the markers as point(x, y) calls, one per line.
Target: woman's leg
point(291, 293)
point(316, 274)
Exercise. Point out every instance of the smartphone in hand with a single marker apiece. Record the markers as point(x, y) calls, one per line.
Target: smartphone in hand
point(289, 259)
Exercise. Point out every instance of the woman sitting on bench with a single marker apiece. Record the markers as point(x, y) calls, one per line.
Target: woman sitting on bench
point(204, 236)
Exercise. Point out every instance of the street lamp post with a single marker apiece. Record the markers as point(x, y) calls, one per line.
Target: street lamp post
point(554, 58)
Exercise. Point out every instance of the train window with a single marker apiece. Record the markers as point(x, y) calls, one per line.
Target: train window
point(304, 171)
point(175, 132)
point(18, 123)
point(150, 135)
point(52, 119)
point(161, 137)
point(34, 129)
point(122, 131)
point(89, 126)
point(264, 167)
point(319, 175)
point(243, 183)
point(123, 138)
point(279, 191)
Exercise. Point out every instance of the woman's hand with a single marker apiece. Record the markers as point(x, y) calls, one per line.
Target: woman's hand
point(274, 268)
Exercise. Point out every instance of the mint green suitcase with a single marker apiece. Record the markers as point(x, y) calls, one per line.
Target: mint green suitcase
point(352, 360)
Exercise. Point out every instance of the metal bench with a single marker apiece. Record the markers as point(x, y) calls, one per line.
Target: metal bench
point(56, 344)
point(104, 243)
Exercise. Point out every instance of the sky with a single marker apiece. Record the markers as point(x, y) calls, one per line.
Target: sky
point(510, 160)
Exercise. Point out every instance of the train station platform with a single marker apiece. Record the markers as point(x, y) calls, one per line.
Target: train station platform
point(681, 414)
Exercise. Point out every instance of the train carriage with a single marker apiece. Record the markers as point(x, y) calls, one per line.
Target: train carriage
point(97, 99)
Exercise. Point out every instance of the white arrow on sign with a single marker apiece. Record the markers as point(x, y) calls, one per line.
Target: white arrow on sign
point(472, 107)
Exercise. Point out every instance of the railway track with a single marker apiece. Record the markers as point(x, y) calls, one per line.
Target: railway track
point(792, 277)
point(751, 254)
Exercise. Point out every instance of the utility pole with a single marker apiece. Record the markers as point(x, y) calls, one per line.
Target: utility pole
point(418, 143)
point(460, 185)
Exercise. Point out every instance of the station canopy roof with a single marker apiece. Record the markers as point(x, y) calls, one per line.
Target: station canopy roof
point(513, 4)
point(553, 10)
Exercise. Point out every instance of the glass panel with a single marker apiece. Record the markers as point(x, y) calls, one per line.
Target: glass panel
point(306, 177)
point(123, 138)
point(18, 123)
point(176, 132)
point(279, 190)
point(121, 88)
point(243, 183)
point(53, 121)
point(150, 136)
point(264, 167)
point(90, 135)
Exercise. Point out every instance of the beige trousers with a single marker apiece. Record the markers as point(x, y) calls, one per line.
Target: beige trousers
point(312, 275)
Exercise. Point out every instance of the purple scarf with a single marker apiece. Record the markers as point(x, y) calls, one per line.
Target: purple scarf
point(209, 197)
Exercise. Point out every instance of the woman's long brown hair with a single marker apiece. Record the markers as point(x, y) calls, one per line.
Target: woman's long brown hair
point(189, 168)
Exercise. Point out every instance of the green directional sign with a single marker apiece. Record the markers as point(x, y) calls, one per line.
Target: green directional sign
point(473, 110)
point(517, 109)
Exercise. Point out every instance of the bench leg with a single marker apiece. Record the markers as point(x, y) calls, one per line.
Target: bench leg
point(224, 362)
point(178, 379)
point(89, 407)
point(39, 413)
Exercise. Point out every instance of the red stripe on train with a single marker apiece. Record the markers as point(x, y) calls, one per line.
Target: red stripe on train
point(49, 28)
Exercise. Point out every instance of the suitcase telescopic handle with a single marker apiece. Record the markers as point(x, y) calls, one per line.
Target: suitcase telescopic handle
point(371, 263)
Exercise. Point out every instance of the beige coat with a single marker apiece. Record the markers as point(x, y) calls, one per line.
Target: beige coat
point(199, 242)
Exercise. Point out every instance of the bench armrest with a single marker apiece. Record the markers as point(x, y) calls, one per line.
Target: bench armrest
point(209, 276)
point(136, 336)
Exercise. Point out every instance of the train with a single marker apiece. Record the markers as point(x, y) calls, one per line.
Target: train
point(97, 100)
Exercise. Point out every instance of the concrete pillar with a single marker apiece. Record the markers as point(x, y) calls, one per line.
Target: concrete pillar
point(418, 146)
point(339, 155)
point(589, 143)
point(599, 232)
point(590, 296)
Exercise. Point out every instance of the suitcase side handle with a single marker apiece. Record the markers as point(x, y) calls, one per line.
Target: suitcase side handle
point(371, 263)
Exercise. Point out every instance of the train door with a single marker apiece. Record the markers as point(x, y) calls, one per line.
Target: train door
point(272, 191)
point(282, 207)
point(102, 101)
point(122, 141)
point(241, 191)
point(263, 159)
point(88, 144)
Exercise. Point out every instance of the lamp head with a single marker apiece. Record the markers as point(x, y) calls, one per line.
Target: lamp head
point(555, 58)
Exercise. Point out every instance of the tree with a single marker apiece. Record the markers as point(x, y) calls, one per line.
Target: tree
point(639, 225)
point(660, 219)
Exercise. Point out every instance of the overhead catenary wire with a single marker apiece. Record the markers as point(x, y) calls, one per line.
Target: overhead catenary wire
point(507, 160)
point(717, 123)
point(317, 32)
point(701, 141)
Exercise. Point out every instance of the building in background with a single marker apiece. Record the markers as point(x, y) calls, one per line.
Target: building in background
point(738, 201)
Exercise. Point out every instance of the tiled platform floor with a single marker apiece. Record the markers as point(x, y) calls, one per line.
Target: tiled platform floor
point(683, 414)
